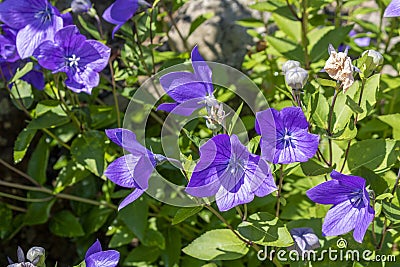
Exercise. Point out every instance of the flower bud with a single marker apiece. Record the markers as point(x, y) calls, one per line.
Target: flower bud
point(81, 6)
point(296, 78)
point(377, 57)
point(37, 256)
point(290, 64)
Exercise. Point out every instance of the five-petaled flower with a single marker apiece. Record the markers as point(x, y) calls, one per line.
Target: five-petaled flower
point(284, 135)
point(339, 67)
point(351, 205)
point(228, 171)
point(96, 257)
point(191, 91)
point(80, 59)
point(132, 170)
point(304, 239)
point(121, 11)
point(35, 20)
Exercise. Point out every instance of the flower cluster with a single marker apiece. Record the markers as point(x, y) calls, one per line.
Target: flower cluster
point(36, 28)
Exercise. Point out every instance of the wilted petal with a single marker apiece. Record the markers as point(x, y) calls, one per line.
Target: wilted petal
point(108, 258)
point(393, 9)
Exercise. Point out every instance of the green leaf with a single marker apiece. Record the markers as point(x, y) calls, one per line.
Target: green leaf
point(22, 72)
point(22, 91)
point(92, 221)
point(154, 238)
point(22, 143)
point(314, 168)
point(102, 116)
point(234, 119)
point(184, 213)
point(353, 105)
point(292, 28)
point(172, 251)
point(253, 144)
point(38, 212)
point(286, 48)
point(65, 224)
point(220, 244)
point(39, 160)
point(321, 112)
point(6, 220)
point(121, 237)
point(368, 99)
point(69, 175)
point(89, 28)
point(342, 112)
point(270, 5)
point(48, 120)
point(265, 229)
point(320, 38)
point(88, 149)
point(200, 20)
point(393, 121)
point(142, 256)
point(391, 211)
point(250, 23)
point(135, 217)
point(375, 154)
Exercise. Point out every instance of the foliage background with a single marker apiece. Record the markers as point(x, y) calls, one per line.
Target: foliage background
point(56, 141)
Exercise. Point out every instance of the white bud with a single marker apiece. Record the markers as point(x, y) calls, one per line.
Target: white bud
point(290, 64)
point(296, 77)
point(376, 57)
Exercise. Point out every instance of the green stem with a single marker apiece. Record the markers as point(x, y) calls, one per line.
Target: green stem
point(304, 31)
point(330, 125)
point(116, 103)
point(278, 196)
point(346, 153)
point(2, 194)
point(59, 195)
point(222, 219)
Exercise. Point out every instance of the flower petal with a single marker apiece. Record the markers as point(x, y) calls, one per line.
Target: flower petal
point(365, 217)
point(96, 247)
point(202, 70)
point(50, 56)
point(293, 118)
point(103, 52)
point(108, 258)
point(262, 181)
point(350, 181)
point(127, 140)
point(330, 192)
point(226, 199)
point(130, 198)
point(340, 219)
point(121, 171)
point(182, 86)
point(393, 9)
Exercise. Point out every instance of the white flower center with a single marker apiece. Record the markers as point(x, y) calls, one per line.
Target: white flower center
point(73, 60)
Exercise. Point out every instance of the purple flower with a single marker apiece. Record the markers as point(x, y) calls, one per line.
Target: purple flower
point(191, 91)
point(304, 239)
point(96, 257)
point(351, 205)
point(284, 135)
point(393, 9)
point(8, 47)
point(132, 170)
point(35, 20)
point(121, 11)
point(80, 59)
point(229, 171)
